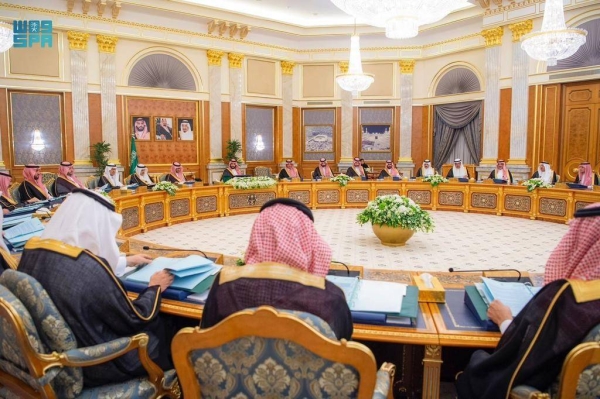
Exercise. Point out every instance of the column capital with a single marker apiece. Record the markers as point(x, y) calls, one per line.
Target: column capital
point(235, 60)
point(407, 66)
point(344, 66)
point(520, 29)
point(106, 44)
point(77, 40)
point(493, 36)
point(287, 67)
point(214, 57)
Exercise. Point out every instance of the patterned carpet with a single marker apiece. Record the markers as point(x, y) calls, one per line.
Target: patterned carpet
point(460, 240)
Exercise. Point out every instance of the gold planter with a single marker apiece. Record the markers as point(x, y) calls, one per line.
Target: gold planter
point(392, 236)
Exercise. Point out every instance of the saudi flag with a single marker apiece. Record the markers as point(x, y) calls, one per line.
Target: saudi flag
point(133, 157)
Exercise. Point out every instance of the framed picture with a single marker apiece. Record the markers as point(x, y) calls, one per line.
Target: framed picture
point(185, 129)
point(376, 138)
point(140, 127)
point(163, 128)
point(318, 138)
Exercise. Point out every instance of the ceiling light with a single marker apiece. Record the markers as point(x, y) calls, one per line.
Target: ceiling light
point(38, 143)
point(355, 80)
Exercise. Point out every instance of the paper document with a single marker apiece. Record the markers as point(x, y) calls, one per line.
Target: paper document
point(513, 295)
point(26, 228)
point(378, 296)
point(347, 284)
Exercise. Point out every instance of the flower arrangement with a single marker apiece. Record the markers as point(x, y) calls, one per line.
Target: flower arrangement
point(249, 183)
point(435, 180)
point(169, 187)
point(534, 183)
point(342, 179)
point(106, 196)
point(396, 211)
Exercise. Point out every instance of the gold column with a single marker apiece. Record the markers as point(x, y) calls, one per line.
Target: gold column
point(287, 67)
point(520, 29)
point(214, 57)
point(235, 60)
point(77, 40)
point(108, 93)
point(493, 36)
point(107, 44)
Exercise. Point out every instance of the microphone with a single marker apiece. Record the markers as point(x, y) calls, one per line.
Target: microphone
point(453, 270)
point(345, 265)
point(146, 248)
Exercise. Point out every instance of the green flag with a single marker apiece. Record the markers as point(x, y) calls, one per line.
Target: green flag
point(133, 157)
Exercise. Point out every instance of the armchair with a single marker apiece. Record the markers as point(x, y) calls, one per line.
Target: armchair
point(91, 182)
point(262, 171)
point(267, 352)
point(39, 357)
point(14, 192)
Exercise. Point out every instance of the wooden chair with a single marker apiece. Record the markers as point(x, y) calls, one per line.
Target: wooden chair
point(91, 182)
point(262, 171)
point(14, 192)
point(7, 261)
point(470, 168)
point(39, 357)
point(266, 352)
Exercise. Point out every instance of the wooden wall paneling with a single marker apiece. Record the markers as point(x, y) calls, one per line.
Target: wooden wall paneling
point(124, 137)
point(549, 128)
point(338, 135)
point(278, 139)
point(422, 136)
point(225, 127)
point(68, 137)
point(95, 115)
point(504, 124)
point(356, 133)
point(207, 133)
point(532, 154)
point(396, 135)
point(4, 134)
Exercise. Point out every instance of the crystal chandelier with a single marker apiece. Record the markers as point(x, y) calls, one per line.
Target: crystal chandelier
point(354, 80)
point(400, 18)
point(554, 42)
point(6, 37)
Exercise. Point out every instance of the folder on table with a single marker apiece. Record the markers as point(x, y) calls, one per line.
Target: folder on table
point(475, 303)
point(18, 235)
point(169, 293)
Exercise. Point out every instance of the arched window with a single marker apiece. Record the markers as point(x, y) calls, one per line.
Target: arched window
point(161, 71)
point(456, 81)
point(588, 54)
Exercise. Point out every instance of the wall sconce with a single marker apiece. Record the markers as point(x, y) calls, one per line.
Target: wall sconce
point(37, 144)
point(259, 145)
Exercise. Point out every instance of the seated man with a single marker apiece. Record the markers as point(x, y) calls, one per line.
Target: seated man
point(232, 170)
point(364, 165)
point(176, 175)
point(110, 177)
point(290, 171)
point(32, 189)
point(356, 170)
point(7, 202)
point(501, 172)
point(390, 171)
point(75, 261)
point(141, 176)
point(584, 175)
point(426, 169)
point(323, 170)
point(283, 237)
point(545, 173)
point(66, 181)
point(458, 170)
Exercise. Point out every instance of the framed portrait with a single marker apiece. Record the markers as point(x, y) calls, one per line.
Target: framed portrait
point(185, 129)
point(163, 128)
point(140, 127)
point(318, 138)
point(376, 138)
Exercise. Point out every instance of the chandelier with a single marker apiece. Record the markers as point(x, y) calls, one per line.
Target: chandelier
point(354, 80)
point(554, 42)
point(400, 18)
point(6, 37)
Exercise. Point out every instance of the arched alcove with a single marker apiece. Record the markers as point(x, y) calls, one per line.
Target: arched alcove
point(161, 71)
point(457, 81)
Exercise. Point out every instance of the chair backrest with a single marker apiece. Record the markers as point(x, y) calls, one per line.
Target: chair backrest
point(7, 261)
point(471, 168)
point(91, 182)
point(262, 171)
point(155, 177)
point(48, 178)
point(445, 169)
point(128, 180)
point(162, 177)
point(578, 378)
point(263, 351)
point(14, 192)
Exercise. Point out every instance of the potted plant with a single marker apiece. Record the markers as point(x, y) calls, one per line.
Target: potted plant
point(251, 183)
point(435, 180)
point(233, 148)
point(342, 179)
point(100, 153)
point(536, 182)
point(395, 218)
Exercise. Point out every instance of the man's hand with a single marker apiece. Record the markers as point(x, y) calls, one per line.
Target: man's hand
point(162, 278)
point(32, 200)
point(499, 312)
point(139, 259)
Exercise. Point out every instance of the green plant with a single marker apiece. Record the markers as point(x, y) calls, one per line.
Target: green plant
point(250, 183)
point(435, 180)
point(396, 211)
point(169, 187)
point(534, 183)
point(342, 179)
point(100, 153)
point(233, 148)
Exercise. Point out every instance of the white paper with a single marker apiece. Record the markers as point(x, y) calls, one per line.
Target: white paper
point(379, 296)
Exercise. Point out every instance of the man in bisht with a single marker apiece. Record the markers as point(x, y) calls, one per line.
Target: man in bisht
point(141, 176)
point(32, 189)
point(458, 170)
point(66, 181)
point(535, 343)
point(364, 165)
point(426, 169)
point(356, 170)
point(501, 172)
point(286, 262)
point(176, 175)
point(77, 261)
point(545, 173)
point(290, 171)
point(232, 170)
point(7, 202)
point(110, 177)
point(586, 175)
point(323, 170)
point(390, 171)
point(163, 130)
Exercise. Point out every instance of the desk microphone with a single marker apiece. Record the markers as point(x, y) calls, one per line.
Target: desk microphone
point(146, 248)
point(453, 270)
point(342, 263)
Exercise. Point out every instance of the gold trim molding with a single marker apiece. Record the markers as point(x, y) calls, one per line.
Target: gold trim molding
point(78, 40)
point(287, 67)
point(407, 66)
point(107, 44)
point(344, 66)
point(493, 36)
point(520, 29)
point(214, 57)
point(235, 60)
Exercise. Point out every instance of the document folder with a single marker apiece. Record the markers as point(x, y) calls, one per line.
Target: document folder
point(475, 303)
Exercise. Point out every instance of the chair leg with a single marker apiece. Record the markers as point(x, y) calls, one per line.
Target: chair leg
point(391, 370)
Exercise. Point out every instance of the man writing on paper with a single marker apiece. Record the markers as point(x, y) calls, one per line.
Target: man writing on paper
point(286, 262)
point(535, 343)
point(76, 260)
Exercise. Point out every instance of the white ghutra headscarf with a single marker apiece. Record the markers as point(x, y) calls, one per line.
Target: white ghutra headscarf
point(459, 172)
point(114, 180)
point(548, 175)
point(143, 177)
